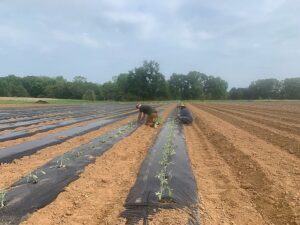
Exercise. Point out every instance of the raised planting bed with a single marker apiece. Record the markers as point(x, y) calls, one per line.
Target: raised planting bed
point(45, 128)
point(165, 179)
point(17, 151)
point(20, 114)
point(40, 187)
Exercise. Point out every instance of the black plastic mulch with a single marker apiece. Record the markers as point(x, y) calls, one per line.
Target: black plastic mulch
point(25, 196)
point(8, 154)
point(142, 200)
point(45, 128)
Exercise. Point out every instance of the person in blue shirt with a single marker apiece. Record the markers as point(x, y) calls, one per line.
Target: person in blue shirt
point(184, 115)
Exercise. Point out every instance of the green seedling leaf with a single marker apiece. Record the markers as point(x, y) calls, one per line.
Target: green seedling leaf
point(2, 198)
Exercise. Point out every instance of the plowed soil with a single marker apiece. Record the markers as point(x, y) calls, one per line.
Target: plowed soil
point(247, 168)
point(245, 158)
point(98, 196)
point(11, 172)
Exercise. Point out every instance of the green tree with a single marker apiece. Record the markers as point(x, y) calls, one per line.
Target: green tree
point(215, 88)
point(178, 85)
point(89, 95)
point(146, 82)
point(291, 88)
point(196, 82)
point(36, 85)
point(265, 89)
point(109, 90)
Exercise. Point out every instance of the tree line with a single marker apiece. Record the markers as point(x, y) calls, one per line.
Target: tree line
point(146, 82)
point(268, 89)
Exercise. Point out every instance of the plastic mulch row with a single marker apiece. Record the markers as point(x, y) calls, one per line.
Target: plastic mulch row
point(32, 121)
point(45, 128)
point(24, 115)
point(32, 193)
point(8, 154)
point(142, 200)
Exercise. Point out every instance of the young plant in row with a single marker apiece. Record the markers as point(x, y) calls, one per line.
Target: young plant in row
point(164, 174)
point(34, 177)
point(2, 198)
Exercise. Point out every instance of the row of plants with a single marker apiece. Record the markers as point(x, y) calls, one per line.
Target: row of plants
point(164, 175)
point(61, 163)
point(2, 198)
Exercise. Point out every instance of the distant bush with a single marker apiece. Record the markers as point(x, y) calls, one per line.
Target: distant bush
point(89, 95)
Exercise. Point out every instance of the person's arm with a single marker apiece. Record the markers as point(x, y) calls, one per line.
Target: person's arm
point(139, 117)
point(143, 117)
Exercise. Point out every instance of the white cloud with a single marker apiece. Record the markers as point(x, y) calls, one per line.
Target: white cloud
point(192, 38)
point(81, 39)
point(270, 6)
point(145, 24)
point(11, 33)
point(172, 6)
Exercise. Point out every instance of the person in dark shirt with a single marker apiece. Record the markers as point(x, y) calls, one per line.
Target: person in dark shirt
point(184, 115)
point(151, 113)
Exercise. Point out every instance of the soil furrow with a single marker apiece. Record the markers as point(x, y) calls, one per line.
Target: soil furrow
point(285, 121)
point(221, 197)
point(289, 108)
point(270, 123)
point(270, 111)
point(251, 178)
point(288, 144)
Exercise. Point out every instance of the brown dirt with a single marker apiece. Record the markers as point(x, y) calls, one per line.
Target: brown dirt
point(264, 119)
point(245, 159)
point(11, 172)
point(98, 196)
point(168, 217)
point(289, 143)
point(222, 201)
point(239, 173)
point(285, 112)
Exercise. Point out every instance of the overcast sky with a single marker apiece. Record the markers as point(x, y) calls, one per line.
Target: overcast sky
point(237, 40)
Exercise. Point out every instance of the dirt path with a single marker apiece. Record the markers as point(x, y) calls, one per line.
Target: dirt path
point(98, 196)
point(268, 176)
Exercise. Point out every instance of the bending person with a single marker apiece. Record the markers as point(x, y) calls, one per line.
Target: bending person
point(152, 116)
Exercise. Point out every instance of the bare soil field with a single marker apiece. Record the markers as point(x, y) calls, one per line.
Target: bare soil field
point(244, 159)
point(247, 168)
